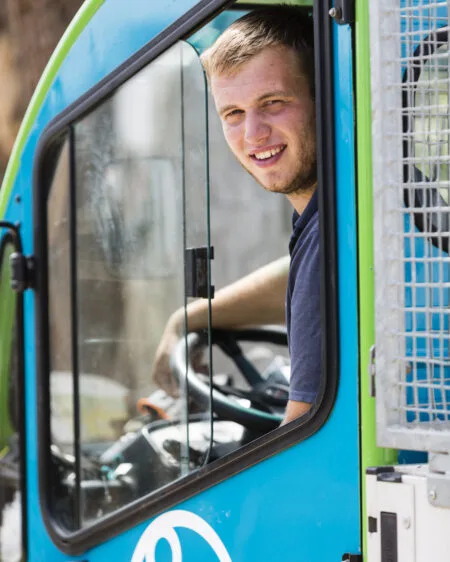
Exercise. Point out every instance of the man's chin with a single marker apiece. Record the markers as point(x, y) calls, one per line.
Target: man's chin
point(302, 182)
point(291, 188)
point(272, 186)
point(282, 188)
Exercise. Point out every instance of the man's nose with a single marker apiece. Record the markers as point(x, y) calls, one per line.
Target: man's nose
point(257, 130)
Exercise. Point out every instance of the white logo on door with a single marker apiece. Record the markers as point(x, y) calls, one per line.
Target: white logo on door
point(163, 527)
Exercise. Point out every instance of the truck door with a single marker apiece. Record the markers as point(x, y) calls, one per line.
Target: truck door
point(133, 188)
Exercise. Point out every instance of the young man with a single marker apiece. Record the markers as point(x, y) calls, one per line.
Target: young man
point(261, 75)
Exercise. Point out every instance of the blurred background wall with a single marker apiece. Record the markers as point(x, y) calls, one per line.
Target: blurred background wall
point(29, 32)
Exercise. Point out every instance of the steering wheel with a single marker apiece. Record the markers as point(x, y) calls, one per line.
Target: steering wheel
point(268, 397)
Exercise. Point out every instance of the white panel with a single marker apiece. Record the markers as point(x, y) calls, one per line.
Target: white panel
point(432, 524)
point(423, 529)
point(393, 498)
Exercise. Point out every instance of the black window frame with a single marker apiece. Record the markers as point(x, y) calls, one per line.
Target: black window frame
point(77, 542)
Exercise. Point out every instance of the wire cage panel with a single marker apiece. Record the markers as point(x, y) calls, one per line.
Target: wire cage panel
point(411, 195)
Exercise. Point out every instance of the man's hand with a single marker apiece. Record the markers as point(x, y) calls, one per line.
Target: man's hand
point(237, 305)
point(161, 372)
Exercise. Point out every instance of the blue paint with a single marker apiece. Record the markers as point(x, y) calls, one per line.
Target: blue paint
point(302, 504)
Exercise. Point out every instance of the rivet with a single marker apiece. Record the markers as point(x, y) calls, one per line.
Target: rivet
point(335, 13)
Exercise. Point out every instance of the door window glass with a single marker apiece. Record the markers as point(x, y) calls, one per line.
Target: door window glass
point(117, 243)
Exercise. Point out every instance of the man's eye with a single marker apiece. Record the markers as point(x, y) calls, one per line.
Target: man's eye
point(233, 115)
point(273, 103)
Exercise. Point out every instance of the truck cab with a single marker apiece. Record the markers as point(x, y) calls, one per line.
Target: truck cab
point(122, 204)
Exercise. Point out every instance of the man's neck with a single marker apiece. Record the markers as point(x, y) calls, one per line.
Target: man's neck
point(300, 199)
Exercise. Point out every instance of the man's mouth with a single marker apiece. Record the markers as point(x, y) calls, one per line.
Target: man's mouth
point(268, 156)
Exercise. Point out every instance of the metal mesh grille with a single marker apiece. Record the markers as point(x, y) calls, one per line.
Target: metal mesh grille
point(411, 157)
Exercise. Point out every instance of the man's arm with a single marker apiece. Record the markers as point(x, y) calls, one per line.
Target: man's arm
point(257, 298)
point(305, 329)
point(294, 410)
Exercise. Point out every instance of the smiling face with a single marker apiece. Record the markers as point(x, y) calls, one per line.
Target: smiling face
point(268, 118)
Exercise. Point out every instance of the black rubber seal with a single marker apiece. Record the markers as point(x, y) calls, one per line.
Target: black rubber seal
point(374, 470)
point(391, 476)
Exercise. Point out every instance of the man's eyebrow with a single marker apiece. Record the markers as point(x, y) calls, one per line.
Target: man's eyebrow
point(274, 94)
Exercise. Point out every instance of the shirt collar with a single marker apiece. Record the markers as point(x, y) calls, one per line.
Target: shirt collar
point(300, 221)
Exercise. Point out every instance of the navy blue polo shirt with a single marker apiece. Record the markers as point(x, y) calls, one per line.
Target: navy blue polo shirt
point(303, 305)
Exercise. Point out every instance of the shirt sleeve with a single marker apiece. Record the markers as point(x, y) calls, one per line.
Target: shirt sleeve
point(305, 335)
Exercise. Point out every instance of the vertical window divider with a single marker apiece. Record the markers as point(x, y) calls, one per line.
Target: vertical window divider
point(74, 322)
point(210, 292)
point(184, 449)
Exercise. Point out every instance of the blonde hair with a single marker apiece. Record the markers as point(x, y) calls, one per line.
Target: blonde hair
point(272, 26)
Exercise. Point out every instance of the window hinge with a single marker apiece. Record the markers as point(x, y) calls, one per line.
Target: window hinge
point(23, 269)
point(196, 270)
point(343, 11)
point(372, 373)
point(347, 557)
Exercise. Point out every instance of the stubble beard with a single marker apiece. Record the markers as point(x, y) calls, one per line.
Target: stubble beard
point(306, 176)
point(305, 179)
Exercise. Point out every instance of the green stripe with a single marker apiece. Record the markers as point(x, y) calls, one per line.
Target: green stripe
point(371, 455)
point(80, 21)
point(7, 307)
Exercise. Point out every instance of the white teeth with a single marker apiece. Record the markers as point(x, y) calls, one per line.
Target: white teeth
point(267, 153)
